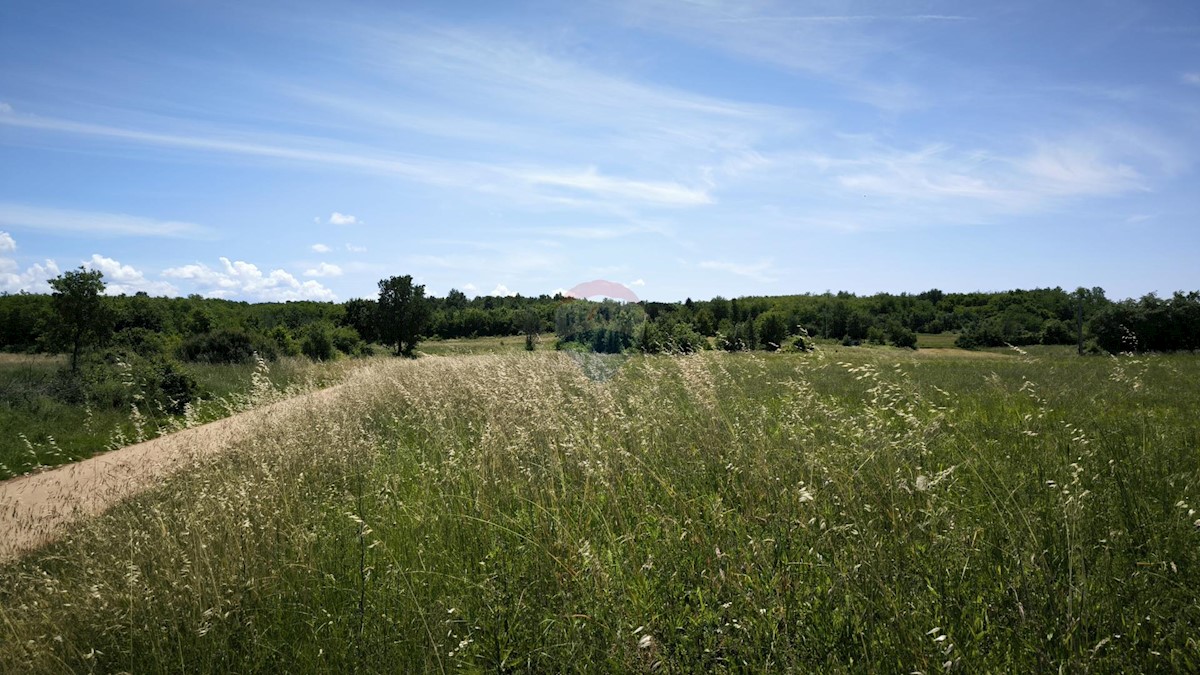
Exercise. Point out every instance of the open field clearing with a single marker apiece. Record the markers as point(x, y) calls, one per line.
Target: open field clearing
point(39, 429)
point(849, 509)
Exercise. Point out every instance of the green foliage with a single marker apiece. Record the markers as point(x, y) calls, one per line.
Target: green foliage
point(402, 313)
point(80, 320)
point(316, 342)
point(226, 346)
point(362, 316)
point(607, 327)
point(347, 341)
point(1057, 332)
point(675, 337)
point(1149, 324)
point(738, 337)
point(284, 342)
point(772, 330)
point(902, 337)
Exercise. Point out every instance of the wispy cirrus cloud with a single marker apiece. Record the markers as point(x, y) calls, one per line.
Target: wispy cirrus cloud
point(24, 216)
point(762, 271)
point(544, 184)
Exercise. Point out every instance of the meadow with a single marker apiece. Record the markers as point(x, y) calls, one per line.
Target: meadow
point(39, 428)
point(849, 509)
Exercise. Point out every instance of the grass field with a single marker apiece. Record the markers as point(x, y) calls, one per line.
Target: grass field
point(936, 340)
point(847, 510)
point(484, 345)
point(38, 429)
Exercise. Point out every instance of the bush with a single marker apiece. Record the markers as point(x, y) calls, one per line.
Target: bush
point(171, 387)
point(1057, 332)
point(347, 341)
point(799, 343)
point(317, 342)
point(903, 337)
point(142, 341)
point(227, 346)
point(284, 341)
point(119, 378)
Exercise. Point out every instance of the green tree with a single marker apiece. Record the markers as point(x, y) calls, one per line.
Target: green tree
point(531, 325)
point(81, 318)
point(360, 314)
point(403, 313)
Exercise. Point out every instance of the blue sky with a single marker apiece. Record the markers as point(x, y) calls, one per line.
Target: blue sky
point(273, 151)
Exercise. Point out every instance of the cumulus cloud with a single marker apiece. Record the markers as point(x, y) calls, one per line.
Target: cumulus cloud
point(242, 279)
point(321, 248)
point(501, 291)
point(32, 280)
point(125, 279)
point(336, 218)
point(356, 249)
point(324, 270)
point(638, 282)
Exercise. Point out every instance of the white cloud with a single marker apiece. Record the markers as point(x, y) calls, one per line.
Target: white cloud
point(336, 218)
point(32, 280)
point(502, 291)
point(760, 271)
point(356, 249)
point(1192, 79)
point(324, 270)
point(638, 282)
point(592, 182)
point(321, 248)
point(559, 291)
point(470, 289)
point(242, 279)
point(125, 279)
point(90, 222)
point(7, 243)
point(5, 109)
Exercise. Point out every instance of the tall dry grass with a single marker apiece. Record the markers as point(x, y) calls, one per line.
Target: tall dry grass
point(839, 511)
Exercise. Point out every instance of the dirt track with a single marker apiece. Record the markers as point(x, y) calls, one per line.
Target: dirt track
point(36, 509)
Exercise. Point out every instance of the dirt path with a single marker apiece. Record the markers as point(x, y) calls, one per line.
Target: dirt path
point(36, 509)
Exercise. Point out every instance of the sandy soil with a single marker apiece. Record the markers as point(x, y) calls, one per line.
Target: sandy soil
point(36, 509)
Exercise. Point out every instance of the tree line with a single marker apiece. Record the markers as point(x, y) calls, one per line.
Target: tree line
point(201, 329)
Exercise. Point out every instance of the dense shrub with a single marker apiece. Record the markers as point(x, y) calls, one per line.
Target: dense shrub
point(227, 346)
point(142, 341)
point(902, 337)
point(1057, 332)
point(317, 342)
point(284, 341)
point(347, 341)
